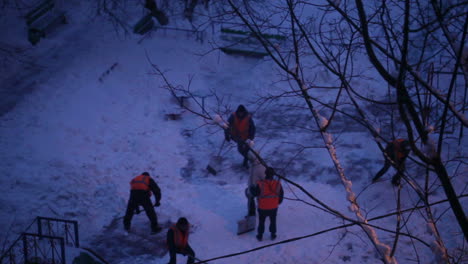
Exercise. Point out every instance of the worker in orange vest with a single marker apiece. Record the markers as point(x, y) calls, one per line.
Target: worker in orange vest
point(141, 188)
point(241, 129)
point(269, 193)
point(395, 154)
point(177, 241)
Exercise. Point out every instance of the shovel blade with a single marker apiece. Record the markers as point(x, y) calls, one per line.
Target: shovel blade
point(246, 225)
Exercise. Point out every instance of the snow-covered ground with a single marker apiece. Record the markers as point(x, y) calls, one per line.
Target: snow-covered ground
point(72, 143)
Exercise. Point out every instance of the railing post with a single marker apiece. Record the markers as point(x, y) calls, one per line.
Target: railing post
point(62, 246)
point(52, 246)
point(66, 233)
point(31, 246)
point(77, 240)
point(25, 249)
point(12, 257)
point(36, 246)
point(39, 225)
point(49, 228)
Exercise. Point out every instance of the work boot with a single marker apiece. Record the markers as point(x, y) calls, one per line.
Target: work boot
point(259, 237)
point(273, 236)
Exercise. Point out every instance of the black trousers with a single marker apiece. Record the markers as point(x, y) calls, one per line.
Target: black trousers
point(243, 149)
point(400, 167)
point(136, 199)
point(262, 215)
point(251, 205)
point(186, 251)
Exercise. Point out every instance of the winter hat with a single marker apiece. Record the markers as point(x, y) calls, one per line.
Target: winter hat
point(145, 173)
point(182, 224)
point(269, 172)
point(241, 109)
point(405, 145)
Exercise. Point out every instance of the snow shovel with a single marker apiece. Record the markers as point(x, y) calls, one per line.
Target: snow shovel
point(221, 123)
point(249, 222)
point(215, 159)
point(246, 225)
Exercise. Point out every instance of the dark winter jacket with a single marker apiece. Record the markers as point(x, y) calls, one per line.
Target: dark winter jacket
point(171, 243)
point(398, 150)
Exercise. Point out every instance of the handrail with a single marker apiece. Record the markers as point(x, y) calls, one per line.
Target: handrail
point(26, 248)
point(40, 220)
point(63, 238)
point(56, 219)
point(16, 241)
point(60, 239)
point(96, 255)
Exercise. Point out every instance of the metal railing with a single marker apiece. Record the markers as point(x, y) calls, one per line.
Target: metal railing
point(68, 229)
point(36, 249)
point(47, 246)
point(43, 249)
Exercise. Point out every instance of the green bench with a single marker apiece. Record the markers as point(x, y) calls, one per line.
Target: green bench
point(144, 25)
point(42, 20)
point(239, 42)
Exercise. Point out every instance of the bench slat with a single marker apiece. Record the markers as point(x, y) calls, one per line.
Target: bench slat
point(39, 11)
point(45, 25)
point(52, 18)
point(144, 25)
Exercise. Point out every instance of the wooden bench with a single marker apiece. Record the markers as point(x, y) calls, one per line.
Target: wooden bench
point(144, 25)
point(239, 42)
point(42, 20)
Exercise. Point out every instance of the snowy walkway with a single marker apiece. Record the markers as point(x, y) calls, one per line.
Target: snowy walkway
point(72, 144)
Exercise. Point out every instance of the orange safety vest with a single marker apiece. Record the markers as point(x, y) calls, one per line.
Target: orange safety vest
point(269, 194)
point(180, 239)
point(140, 182)
point(240, 129)
point(397, 148)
